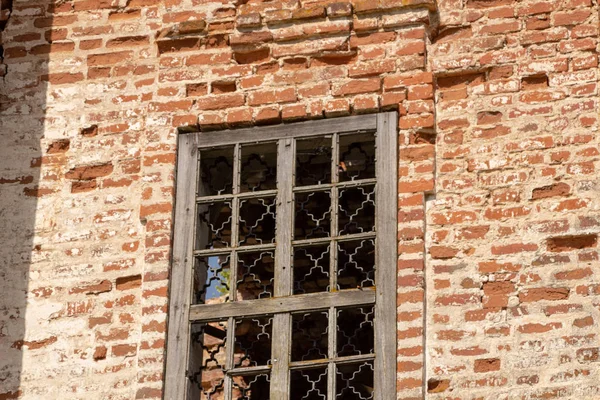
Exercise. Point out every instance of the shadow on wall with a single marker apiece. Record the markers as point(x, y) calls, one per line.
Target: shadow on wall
point(24, 47)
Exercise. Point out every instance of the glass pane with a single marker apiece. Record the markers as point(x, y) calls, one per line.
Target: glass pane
point(313, 215)
point(207, 358)
point(258, 167)
point(216, 171)
point(256, 274)
point(311, 269)
point(356, 264)
point(214, 225)
point(211, 279)
point(251, 387)
point(253, 341)
point(310, 384)
point(309, 336)
point(257, 221)
point(357, 157)
point(354, 381)
point(355, 335)
point(356, 210)
point(313, 161)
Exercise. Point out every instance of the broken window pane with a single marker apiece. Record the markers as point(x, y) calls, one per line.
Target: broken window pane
point(253, 341)
point(354, 381)
point(257, 221)
point(356, 210)
point(256, 274)
point(214, 225)
point(211, 279)
point(311, 269)
point(251, 387)
point(309, 336)
point(313, 215)
point(355, 334)
point(207, 359)
point(216, 172)
point(313, 161)
point(357, 157)
point(309, 384)
point(258, 170)
point(356, 264)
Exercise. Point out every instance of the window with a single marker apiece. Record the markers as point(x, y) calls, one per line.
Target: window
point(284, 263)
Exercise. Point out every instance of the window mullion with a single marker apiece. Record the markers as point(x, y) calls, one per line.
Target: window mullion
point(233, 264)
point(235, 223)
point(283, 269)
point(332, 326)
point(332, 347)
point(334, 213)
point(230, 360)
point(285, 220)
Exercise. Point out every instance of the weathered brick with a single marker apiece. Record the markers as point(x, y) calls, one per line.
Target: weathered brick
point(574, 242)
point(541, 294)
point(497, 105)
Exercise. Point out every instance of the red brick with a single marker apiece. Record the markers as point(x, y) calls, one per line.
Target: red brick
point(583, 322)
point(128, 41)
point(501, 28)
point(253, 56)
point(63, 78)
point(513, 248)
point(574, 242)
point(371, 38)
point(442, 252)
point(437, 385)
point(58, 146)
point(557, 189)
point(539, 328)
point(357, 87)
point(487, 365)
point(94, 288)
point(539, 7)
point(456, 300)
point(124, 350)
point(129, 282)
point(109, 58)
point(249, 38)
point(221, 102)
point(100, 353)
point(541, 294)
point(267, 96)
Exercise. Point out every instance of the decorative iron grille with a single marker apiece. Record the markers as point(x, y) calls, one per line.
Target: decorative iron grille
point(284, 263)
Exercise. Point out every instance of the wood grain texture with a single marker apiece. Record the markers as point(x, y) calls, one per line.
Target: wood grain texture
point(303, 302)
point(181, 270)
point(295, 130)
point(386, 255)
point(282, 323)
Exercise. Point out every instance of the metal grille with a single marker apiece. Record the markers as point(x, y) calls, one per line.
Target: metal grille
point(285, 270)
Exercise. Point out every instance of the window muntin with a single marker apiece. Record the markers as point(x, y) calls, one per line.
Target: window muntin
point(289, 227)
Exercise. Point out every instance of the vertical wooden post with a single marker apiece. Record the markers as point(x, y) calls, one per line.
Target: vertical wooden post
point(180, 288)
point(282, 323)
point(386, 255)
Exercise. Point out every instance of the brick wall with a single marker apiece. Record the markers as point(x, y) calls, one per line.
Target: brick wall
point(498, 158)
point(512, 270)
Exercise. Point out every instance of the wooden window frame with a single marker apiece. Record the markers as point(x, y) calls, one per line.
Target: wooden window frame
point(182, 312)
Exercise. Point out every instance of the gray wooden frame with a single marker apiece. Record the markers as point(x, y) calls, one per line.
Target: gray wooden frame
point(181, 312)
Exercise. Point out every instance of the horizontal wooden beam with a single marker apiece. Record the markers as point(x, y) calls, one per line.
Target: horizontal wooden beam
point(297, 303)
point(326, 361)
point(296, 130)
